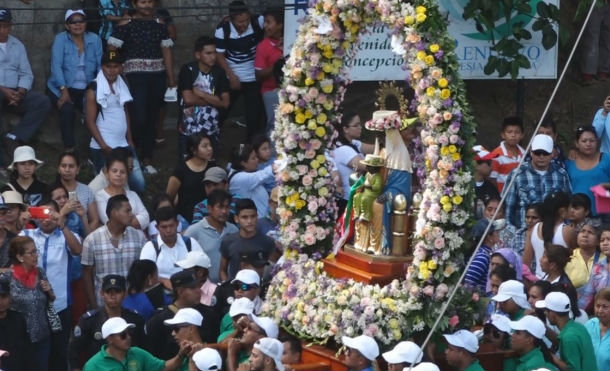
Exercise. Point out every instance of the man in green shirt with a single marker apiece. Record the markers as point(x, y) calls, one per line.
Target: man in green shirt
point(461, 351)
point(575, 346)
point(119, 355)
point(258, 328)
point(512, 299)
point(526, 341)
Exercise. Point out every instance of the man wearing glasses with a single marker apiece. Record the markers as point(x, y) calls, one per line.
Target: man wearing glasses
point(534, 180)
point(119, 354)
point(239, 350)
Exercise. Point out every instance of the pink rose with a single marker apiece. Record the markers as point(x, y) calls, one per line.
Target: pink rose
point(428, 290)
point(311, 228)
point(475, 297)
point(454, 321)
point(310, 154)
point(312, 207)
point(310, 239)
point(307, 180)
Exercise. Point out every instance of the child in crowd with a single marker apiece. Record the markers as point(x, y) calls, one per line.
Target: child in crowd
point(476, 275)
point(269, 224)
point(507, 231)
point(248, 182)
point(264, 152)
point(23, 176)
point(579, 210)
point(509, 152)
point(532, 216)
point(484, 188)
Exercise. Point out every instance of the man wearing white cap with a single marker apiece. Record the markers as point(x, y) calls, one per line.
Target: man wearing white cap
point(238, 350)
point(512, 299)
point(534, 180)
point(239, 313)
point(207, 359)
point(200, 263)
point(424, 366)
point(119, 354)
point(461, 351)
point(185, 328)
point(527, 342)
point(266, 355)
point(575, 346)
point(360, 352)
point(404, 354)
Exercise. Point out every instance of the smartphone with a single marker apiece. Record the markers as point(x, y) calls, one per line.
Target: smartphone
point(72, 196)
point(39, 212)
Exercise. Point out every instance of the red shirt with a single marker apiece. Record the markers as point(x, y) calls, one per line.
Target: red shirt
point(267, 53)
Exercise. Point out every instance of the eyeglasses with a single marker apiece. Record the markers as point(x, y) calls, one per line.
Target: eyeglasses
point(489, 328)
point(243, 286)
point(32, 253)
point(77, 21)
point(123, 335)
point(541, 153)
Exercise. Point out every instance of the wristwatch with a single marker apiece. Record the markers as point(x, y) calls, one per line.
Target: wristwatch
point(61, 88)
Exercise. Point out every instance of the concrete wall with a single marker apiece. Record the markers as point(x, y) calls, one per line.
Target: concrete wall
point(37, 23)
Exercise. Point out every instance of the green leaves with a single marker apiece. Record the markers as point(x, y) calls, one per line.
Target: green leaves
point(507, 37)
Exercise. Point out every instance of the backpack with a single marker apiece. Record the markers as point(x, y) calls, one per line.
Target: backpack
point(259, 33)
point(187, 242)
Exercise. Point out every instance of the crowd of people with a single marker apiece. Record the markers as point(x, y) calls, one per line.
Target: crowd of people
point(92, 279)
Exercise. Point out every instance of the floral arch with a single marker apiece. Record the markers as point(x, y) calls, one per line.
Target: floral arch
point(313, 89)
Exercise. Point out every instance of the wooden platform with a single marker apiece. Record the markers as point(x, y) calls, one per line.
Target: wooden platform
point(367, 268)
point(312, 354)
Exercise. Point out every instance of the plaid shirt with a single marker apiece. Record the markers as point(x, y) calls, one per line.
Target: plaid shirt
point(99, 252)
point(518, 242)
point(598, 280)
point(532, 187)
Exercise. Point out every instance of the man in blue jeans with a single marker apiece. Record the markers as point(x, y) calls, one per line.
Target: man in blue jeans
point(16, 95)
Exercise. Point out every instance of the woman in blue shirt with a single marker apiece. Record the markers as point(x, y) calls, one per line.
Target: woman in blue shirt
point(75, 60)
point(598, 329)
point(144, 291)
point(590, 167)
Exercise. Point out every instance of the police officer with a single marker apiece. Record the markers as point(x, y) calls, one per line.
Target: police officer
point(87, 337)
point(187, 291)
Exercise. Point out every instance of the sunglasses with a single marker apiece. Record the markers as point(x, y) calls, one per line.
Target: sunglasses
point(541, 153)
point(123, 335)
point(243, 286)
point(77, 21)
point(488, 328)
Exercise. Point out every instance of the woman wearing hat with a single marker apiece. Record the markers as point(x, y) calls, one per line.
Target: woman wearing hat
point(496, 332)
point(75, 60)
point(23, 176)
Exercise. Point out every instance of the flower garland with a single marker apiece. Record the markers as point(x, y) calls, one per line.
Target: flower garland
point(382, 124)
point(313, 89)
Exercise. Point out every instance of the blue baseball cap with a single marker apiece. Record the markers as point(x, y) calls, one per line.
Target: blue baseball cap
point(5, 15)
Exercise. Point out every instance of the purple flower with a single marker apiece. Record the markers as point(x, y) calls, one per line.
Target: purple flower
point(448, 102)
point(439, 54)
point(302, 103)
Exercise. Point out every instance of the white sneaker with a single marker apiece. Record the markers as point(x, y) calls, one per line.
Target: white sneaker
point(150, 170)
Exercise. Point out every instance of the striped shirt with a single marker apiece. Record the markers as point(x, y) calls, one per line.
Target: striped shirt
point(99, 252)
point(108, 7)
point(239, 50)
point(476, 276)
point(503, 164)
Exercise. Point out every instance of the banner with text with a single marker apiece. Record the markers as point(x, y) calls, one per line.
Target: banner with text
point(376, 61)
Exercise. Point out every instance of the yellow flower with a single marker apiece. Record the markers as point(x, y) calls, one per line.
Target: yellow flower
point(320, 131)
point(328, 53)
point(444, 151)
point(327, 67)
point(323, 192)
point(393, 323)
point(321, 118)
point(314, 164)
point(321, 75)
point(354, 28)
point(420, 9)
point(445, 200)
point(457, 199)
point(424, 274)
point(447, 207)
point(452, 148)
point(311, 124)
point(308, 114)
point(434, 48)
point(337, 62)
point(321, 159)
point(421, 55)
point(327, 88)
point(420, 18)
point(445, 93)
point(429, 60)
point(455, 156)
point(299, 118)
point(300, 306)
point(430, 91)
point(397, 334)
point(409, 20)
point(432, 265)
point(322, 171)
point(309, 81)
point(443, 82)
point(328, 105)
point(299, 204)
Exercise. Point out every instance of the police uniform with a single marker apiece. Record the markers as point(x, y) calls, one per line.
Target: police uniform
point(86, 339)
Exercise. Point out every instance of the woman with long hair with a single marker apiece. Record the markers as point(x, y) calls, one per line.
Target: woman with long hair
point(600, 274)
point(585, 255)
point(551, 230)
point(553, 263)
point(144, 290)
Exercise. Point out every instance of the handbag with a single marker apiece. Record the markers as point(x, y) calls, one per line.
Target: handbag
point(54, 321)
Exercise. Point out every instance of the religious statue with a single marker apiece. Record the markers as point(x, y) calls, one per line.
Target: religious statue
point(366, 238)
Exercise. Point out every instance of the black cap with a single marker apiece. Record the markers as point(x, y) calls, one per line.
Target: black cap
point(185, 278)
point(5, 15)
point(112, 56)
point(257, 259)
point(114, 281)
point(5, 285)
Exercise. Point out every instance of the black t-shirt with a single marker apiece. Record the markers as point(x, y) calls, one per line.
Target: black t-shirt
point(14, 339)
point(31, 196)
point(195, 119)
point(141, 39)
point(233, 246)
point(191, 188)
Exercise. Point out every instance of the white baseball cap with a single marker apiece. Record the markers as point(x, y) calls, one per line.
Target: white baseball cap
point(247, 276)
point(23, 154)
point(531, 324)
point(267, 324)
point(500, 322)
point(71, 12)
point(424, 366)
point(207, 359)
point(555, 301)
point(271, 348)
point(115, 325)
point(4, 353)
point(185, 316)
point(463, 339)
point(195, 259)
point(241, 306)
point(405, 351)
point(543, 142)
point(512, 289)
point(366, 345)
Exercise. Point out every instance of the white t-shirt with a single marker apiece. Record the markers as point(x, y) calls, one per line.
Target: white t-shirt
point(112, 124)
point(137, 207)
point(168, 255)
point(342, 155)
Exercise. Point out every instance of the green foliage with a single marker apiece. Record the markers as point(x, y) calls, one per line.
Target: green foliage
point(507, 37)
